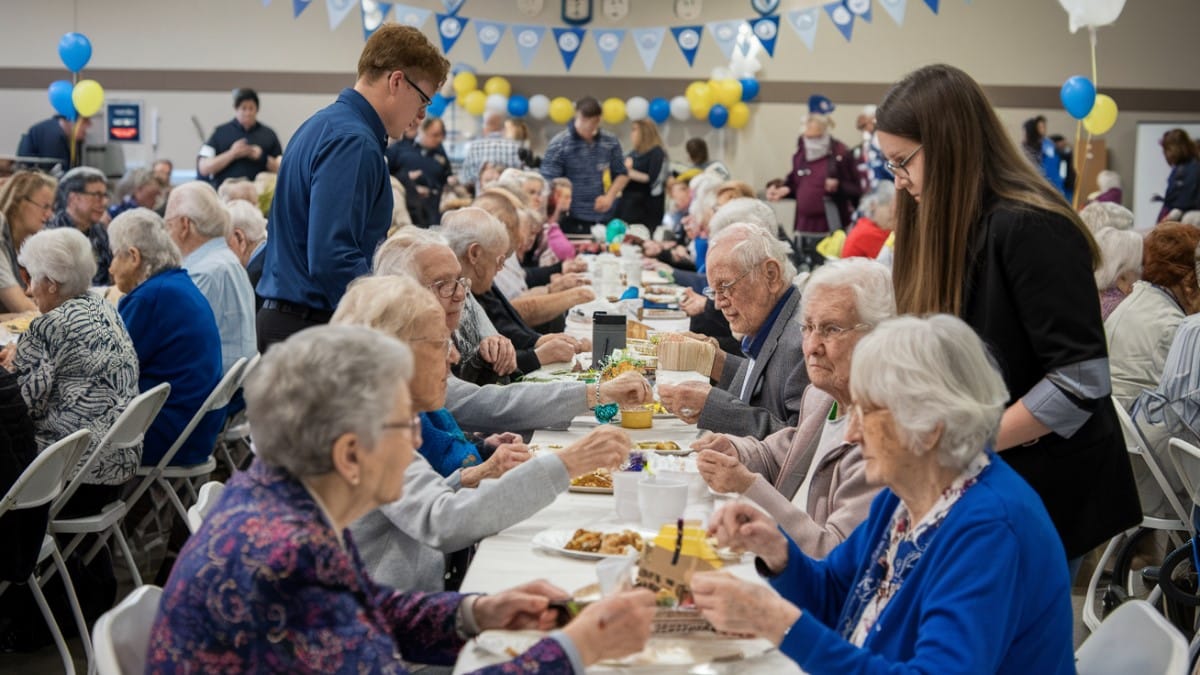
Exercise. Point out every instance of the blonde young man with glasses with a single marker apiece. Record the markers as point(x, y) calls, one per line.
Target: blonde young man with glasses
point(83, 204)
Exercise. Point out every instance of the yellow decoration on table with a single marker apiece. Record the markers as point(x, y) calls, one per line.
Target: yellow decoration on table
point(695, 542)
point(497, 85)
point(465, 82)
point(561, 109)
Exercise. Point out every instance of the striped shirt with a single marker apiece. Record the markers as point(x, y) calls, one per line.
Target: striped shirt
point(495, 150)
point(584, 162)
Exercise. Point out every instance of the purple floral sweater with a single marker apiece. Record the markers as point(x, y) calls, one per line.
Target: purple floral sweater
point(266, 586)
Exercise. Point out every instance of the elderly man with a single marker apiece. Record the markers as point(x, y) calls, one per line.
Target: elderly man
point(750, 276)
point(82, 196)
point(137, 188)
point(247, 233)
point(492, 148)
point(198, 223)
point(808, 477)
point(581, 153)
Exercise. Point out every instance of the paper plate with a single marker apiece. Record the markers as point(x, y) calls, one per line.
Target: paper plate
point(583, 489)
point(691, 650)
point(555, 540)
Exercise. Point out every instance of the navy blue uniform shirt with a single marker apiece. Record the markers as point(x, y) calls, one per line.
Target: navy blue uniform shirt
point(223, 138)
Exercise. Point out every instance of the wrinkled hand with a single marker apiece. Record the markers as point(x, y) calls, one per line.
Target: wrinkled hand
point(626, 389)
point(738, 606)
point(555, 351)
point(496, 440)
point(692, 302)
point(603, 203)
point(831, 185)
point(565, 282)
point(507, 456)
point(721, 443)
point(574, 266)
point(519, 608)
point(498, 351)
point(685, 400)
point(743, 527)
point(614, 627)
point(724, 473)
point(605, 447)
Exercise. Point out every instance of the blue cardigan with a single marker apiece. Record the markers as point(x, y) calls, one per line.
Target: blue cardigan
point(444, 444)
point(989, 595)
point(176, 338)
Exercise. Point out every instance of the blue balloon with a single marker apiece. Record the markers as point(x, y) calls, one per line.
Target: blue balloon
point(60, 97)
point(518, 105)
point(718, 115)
point(1078, 95)
point(749, 89)
point(75, 50)
point(660, 110)
point(437, 105)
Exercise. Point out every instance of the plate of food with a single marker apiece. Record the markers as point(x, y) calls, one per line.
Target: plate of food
point(663, 447)
point(596, 482)
point(19, 324)
point(589, 544)
point(661, 651)
point(664, 314)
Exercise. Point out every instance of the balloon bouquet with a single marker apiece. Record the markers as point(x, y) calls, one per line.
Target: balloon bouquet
point(75, 99)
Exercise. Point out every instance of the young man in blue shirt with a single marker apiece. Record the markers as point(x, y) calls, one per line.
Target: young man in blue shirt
point(581, 153)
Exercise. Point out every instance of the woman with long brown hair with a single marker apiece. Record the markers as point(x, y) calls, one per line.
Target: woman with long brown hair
point(644, 198)
point(1183, 184)
point(981, 235)
point(26, 203)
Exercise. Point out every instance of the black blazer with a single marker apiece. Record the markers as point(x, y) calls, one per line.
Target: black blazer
point(510, 324)
point(1031, 297)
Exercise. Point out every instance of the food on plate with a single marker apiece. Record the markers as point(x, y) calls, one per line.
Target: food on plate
point(612, 543)
point(600, 478)
point(658, 445)
point(18, 324)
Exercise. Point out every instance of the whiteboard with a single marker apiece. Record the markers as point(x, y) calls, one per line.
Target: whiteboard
point(1151, 169)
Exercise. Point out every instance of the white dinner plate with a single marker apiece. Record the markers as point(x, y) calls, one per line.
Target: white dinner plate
point(555, 541)
point(691, 650)
point(584, 489)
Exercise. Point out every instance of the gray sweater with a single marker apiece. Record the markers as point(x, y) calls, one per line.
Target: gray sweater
point(403, 544)
point(515, 407)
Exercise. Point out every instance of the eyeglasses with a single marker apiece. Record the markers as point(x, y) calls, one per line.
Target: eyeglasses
point(413, 426)
point(829, 331)
point(95, 195)
point(895, 168)
point(46, 208)
point(448, 342)
point(448, 288)
point(858, 413)
point(724, 289)
point(425, 99)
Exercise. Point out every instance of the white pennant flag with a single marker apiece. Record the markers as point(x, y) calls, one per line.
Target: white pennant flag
point(338, 11)
point(895, 9)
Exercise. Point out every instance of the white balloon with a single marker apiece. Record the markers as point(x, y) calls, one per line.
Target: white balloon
point(1092, 13)
point(539, 106)
point(721, 73)
point(637, 108)
point(681, 109)
point(497, 103)
point(744, 67)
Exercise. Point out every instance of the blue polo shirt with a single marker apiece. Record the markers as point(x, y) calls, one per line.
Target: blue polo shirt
point(583, 162)
point(46, 139)
point(332, 206)
point(223, 138)
point(753, 344)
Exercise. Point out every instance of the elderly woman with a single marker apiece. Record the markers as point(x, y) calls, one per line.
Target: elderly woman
point(1100, 215)
point(956, 569)
point(26, 203)
point(1120, 266)
point(173, 331)
point(870, 232)
point(810, 478)
point(334, 430)
point(1140, 330)
point(404, 544)
point(139, 188)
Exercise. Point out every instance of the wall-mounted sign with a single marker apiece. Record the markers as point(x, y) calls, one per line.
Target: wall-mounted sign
point(124, 122)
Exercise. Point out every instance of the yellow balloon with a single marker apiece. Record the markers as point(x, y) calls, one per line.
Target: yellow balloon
point(497, 85)
point(561, 109)
point(739, 115)
point(88, 97)
point(465, 83)
point(475, 102)
point(700, 110)
point(699, 94)
point(613, 110)
point(1102, 117)
point(727, 92)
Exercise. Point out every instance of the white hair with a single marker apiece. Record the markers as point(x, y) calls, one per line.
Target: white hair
point(1120, 252)
point(1191, 218)
point(869, 111)
point(398, 253)
point(868, 280)
point(933, 374)
point(238, 189)
point(1107, 180)
point(473, 225)
point(144, 230)
point(704, 195)
point(200, 204)
point(882, 195)
point(246, 217)
point(744, 210)
point(62, 255)
point(751, 245)
point(1100, 215)
point(319, 384)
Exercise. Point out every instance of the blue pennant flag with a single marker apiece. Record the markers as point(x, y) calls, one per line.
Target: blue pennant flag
point(688, 39)
point(489, 34)
point(450, 27)
point(407, 15)
point(766, 29)
point(725, 34)
point(933, 4)
point(648, 42)
point(804, 22)
point(569, 40)
point(373, 15)
point(608, 41)
point(895, 8)
point(528, 38)
point(860, 8)
point(842, 18)
point(338, 11)
point(266, 3)
point(452, 6)
point(298, 7)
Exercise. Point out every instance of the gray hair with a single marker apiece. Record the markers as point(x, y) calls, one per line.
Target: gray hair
point(1107, 180)
point(704, 195)
point(398, 253)
point(246, 217)
point(77, 180)
point(473, 225)
point(200, 204)
point(932, 373)
point(132, 181)
point(512, 181)
point(1120, 252)
point(319, 384)
point(752, 245)
point(62, 255)
point(744, 210)
point(1100, 215)
point(393, 304)
point(870, 281)
point(238, 189)
point(882, 195)
point(1191, 218)
point(144, 230)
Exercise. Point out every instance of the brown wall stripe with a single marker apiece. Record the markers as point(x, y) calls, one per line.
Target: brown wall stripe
point(1004, 96)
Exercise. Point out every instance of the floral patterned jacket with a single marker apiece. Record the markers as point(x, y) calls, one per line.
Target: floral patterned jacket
point(266, 586)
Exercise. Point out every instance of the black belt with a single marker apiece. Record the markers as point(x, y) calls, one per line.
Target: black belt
point(319, 315)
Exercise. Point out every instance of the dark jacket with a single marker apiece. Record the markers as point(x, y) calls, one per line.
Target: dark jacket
point(22, 531)
point(806, 181)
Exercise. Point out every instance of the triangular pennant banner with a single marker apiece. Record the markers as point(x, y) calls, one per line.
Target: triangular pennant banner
point(860, 8)
point(841, 17)
point(649, 42)
point(895, 8)
point(569, 40)
point(407, 15)
point(933, 4)
point(373, 13)
point(688, 39)
point(452, 6)
point(725, 34)
point(766, 29)
point(298, 7)
point(608, 41)
point(450, 27)
point(489, 34)
point(804, 22)
point(338, 11)
point(528, 38)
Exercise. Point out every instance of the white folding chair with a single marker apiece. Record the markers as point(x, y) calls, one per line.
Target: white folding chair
point(233, 443)
point(38, 485)
point(126, 432)
point(1185, 457)
point(210, 492)
point(122, 634)
point(1134, 639)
